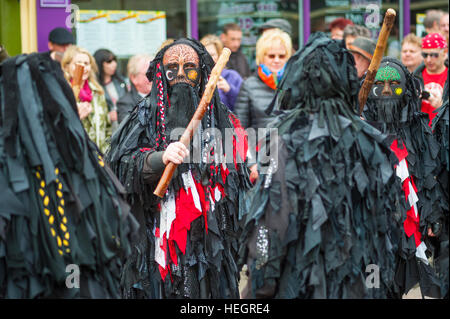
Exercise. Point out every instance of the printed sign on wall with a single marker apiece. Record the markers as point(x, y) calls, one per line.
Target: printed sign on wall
point(125, 33)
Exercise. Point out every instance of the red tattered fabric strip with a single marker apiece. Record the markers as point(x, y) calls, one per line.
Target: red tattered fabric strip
point(412, 221)
point(186, 212)
point(401, 153)
point(162, 271)
point(241, 145)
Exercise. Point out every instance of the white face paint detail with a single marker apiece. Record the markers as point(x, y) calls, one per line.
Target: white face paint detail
point(373, 91)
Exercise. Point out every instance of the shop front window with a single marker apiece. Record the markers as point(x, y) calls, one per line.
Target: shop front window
point(418, 12)
point(249, 15)
point(367, 13)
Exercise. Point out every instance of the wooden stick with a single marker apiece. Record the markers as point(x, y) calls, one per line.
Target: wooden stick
point(195, 121)
point(388, 22)
point(77, 80)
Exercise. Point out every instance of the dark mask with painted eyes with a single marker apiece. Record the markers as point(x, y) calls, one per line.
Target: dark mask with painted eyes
point(386, 99)
point(181, 65)
point(389, 82)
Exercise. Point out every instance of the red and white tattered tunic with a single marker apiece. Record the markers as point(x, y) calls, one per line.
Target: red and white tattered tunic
point(412, 221)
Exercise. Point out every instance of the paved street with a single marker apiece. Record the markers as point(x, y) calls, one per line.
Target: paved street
point(412, 294)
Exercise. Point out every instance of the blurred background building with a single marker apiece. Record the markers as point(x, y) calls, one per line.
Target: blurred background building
point(25, 24)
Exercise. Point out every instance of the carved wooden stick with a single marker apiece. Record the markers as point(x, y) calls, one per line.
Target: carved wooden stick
point(195, 121)
point(388, 22)
point(77, 80)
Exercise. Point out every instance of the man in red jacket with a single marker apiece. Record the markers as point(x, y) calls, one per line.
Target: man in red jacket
point(433, 73)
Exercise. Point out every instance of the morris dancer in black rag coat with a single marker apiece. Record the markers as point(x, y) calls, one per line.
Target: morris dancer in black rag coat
point(393, 106)
point(326, 215)
point(189, 239)
point(440, 127)
point(59, 203)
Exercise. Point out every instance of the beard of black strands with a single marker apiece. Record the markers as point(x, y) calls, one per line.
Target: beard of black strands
point(183, 103)
point(389, 113)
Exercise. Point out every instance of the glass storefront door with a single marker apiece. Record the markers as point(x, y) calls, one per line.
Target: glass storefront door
point(249, 15)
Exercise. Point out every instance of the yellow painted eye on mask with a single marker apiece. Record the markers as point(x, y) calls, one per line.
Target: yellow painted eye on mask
point(398, 91)
point(192, 75)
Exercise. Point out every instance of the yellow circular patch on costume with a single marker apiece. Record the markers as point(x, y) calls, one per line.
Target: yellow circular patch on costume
point(57, 171)
point(67, 236)
point(192, 75)
point(53, 232)
point(41, 192)
point(47, 212)
point(51, 219)
point(60, 210)
point(46, 200)
point(58, 241)
point(398, 91)
point(63, 227)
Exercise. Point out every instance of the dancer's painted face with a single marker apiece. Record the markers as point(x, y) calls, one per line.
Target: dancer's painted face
point(389, 82)
point(181, 65)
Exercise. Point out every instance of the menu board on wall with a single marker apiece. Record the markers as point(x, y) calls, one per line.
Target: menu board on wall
point(125, 33)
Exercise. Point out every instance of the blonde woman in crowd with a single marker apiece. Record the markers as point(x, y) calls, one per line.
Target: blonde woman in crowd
point(273, 50)
point(411, 54)
point(92, 107)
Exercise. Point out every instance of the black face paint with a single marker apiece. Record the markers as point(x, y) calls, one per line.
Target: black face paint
point(388, 107)
point(189, 75)
point(181, 65)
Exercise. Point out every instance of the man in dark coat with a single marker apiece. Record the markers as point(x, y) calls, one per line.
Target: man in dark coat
point(59, 39)
point(140, 86)
point(324, 219)
point(188, 243)
point(231, 38)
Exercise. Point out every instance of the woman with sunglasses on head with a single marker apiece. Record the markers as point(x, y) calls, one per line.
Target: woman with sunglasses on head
point(91, 103)
point(112, 82)
point(273, 50)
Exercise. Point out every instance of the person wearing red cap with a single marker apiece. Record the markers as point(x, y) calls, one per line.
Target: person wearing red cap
point(433, 72)
point(337, 27)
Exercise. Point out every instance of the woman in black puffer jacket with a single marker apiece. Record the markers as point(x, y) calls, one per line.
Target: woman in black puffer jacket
point(273, 50)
